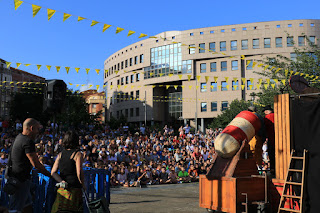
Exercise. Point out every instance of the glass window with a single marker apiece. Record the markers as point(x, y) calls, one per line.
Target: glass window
point(122, 80)
point(214, 87)
point(293, 56)
point(301, 40)
point(213, 67)
point(201, 33)
point(289, 25)
point(312, 24)
point(267, 42)
point(203, 67)
point(202, 47)
point(212, 31)
point(301, 25)
point(214, 106)
point(244, 44)
point(235, 85)
point(223, 66)
point(279, 42)
point(223, 46)
point(312, 39)
point(224, 105)
point(244, 28)
point(212, 46)
point(137, 77)
point(192, 49)
point(255, 43)
point(127, 79)
point(141, 58)
point(249, 85)
point(289, 41)
point(131, 78)
point(131, 112)
point(173, 37)
point(234, 45)
point(249, 64)
point(126, 63)
point(137, 112)
point(136, 60)
point(122, 65)
point(137, 94)
point(233, 29)
point(203, 87)
point(224, 86)
point(234, 65)
point(203, 106)
point(278, 26)
point(130, 62)
point(222, 30)
point(191, 34)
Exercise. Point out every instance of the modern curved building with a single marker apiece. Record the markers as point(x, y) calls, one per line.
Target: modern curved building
point(196, 73)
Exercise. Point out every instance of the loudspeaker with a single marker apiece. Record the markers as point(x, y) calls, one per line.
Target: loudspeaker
point(54, 95)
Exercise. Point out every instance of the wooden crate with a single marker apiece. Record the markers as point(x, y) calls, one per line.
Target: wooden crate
point(282, 135)
point(225, 194)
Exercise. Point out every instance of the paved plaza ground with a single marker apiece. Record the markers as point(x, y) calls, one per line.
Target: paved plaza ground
point(157, 198)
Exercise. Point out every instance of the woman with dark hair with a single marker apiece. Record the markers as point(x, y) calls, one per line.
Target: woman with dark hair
point(69, 162)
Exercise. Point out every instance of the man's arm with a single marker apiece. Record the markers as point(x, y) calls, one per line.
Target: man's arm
point(34, 160)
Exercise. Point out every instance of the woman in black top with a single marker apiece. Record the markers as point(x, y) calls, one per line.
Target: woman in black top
point(69, 162)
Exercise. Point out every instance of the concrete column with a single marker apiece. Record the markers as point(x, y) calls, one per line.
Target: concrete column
point(202, 125)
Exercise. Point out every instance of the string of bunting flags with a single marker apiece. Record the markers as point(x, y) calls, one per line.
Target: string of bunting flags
point(52, 12)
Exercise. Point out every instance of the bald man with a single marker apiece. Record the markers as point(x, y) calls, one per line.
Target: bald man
point(23, 157)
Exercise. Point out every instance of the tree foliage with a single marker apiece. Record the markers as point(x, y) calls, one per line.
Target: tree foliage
point(304, 59)
point(228, 115)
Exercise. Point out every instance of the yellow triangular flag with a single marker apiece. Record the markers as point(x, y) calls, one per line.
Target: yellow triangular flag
point(180, 76)
point(268, 80)
point(48, 67)
point(104, 86)
point(235, 79)
point(94, 23)
point(273, 85)
point(77, 85)
point(90, 86)
point(250, 87)
point(190, 86)
point(97, 71)
point(198, 77)
point(260, 80)
point(275, 80)
point(39, 66)
point(119, 29)
point(212, 87)
point(226, 78)
point(167, 86)
point(35, 9)
point(259, 65)
point(8, 64)
point(97, 86)
point(266, 86)
point(17, 4)
point(219, 87)
point(197, 87)
point(142, 35)
point(189, 77)
point(182, 87)
point(50, 13)
point(67, 69)
point(66, 16)
point(248, 62)
point(116, 71)
point(207, 78)
point(105, 27)
point(283, 81)
point(132, 87)
point(58, 68)
point(70, 84)
point(243, 80)
point(258, 86)
point(227, 87)
point(251, 80)
point(277, 70)
point(151, 74)
point(215, 79)
point(242, 87)
point(77, 69)
point(175, 86)
point(161, 74)
point(242, 57)
point(27, 65)
point(266, 67)
point(235, 87)
point(254, 64)
point(87, 70)
point(272, 68)
point(131, 32)
point(80, 18)
point(153, 86)
point(18, 65)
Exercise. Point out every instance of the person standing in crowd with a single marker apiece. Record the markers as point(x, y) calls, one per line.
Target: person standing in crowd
point(69, 162)
point(269, 125)
point(23, 158)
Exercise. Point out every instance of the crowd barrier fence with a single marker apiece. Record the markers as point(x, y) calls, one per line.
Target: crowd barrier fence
point(97, 183)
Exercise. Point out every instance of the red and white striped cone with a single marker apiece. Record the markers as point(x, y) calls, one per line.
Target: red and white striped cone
point(243, 127)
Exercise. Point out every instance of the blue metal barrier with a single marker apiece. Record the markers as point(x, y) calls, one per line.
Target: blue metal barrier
point(97, 182)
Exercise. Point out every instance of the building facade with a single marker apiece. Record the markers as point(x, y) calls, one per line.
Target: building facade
point(9, 77)
point(193, 75)
point(96, 103)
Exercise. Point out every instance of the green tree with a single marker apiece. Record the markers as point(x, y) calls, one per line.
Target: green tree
point(228, 115)
point(304, 59)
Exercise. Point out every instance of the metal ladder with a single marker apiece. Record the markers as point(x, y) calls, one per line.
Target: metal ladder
point(289, 183)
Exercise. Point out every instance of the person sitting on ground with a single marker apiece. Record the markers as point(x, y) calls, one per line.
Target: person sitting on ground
point(154, 177)
point(184, 175)
point(132, 177)
point(122, 177)
point(143, 177)
point(173, 177)
point(164, 176)
point(193, 173)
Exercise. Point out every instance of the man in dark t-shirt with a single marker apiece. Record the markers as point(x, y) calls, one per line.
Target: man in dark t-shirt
point(23, 157)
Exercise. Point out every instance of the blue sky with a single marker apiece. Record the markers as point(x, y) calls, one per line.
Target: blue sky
point(75, 44)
